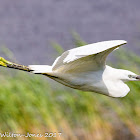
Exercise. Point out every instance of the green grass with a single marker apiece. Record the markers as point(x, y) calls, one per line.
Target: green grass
point(31, 103)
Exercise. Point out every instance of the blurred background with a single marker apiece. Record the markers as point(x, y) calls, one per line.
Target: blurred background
point(36, 32)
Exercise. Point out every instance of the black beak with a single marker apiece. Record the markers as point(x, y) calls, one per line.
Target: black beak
point(138, 77)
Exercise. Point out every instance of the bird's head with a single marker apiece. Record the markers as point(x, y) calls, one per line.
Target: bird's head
point(115, 79)
point(129, 76)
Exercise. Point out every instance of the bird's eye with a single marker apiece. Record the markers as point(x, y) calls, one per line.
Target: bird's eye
point(130, 76)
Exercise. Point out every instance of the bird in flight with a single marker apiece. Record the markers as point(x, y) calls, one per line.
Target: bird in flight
point(85, 68)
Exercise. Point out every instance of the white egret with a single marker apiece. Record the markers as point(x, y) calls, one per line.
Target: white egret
point(85, 68)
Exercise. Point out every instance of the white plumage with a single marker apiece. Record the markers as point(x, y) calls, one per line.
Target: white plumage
point(85, 68)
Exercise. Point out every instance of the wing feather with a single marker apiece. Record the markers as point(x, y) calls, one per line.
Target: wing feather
point(86, 58)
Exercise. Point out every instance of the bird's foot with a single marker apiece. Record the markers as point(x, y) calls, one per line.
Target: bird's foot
point(4, 62)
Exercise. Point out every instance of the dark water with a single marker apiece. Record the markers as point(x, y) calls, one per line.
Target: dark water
point(28, 26)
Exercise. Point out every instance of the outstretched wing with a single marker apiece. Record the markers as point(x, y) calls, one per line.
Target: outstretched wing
point(90, 57)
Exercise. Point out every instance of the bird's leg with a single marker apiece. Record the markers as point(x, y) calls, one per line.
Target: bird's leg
point(9, 64)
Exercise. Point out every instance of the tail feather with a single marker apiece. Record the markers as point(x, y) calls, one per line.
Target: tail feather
point(40, 68)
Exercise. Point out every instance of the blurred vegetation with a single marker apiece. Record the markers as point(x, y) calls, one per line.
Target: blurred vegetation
point(29, 103)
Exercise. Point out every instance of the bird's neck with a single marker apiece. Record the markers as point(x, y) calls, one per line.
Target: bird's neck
point(116, 87)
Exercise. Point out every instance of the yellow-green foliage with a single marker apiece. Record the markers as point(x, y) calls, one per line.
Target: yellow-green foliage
point(31, 103)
